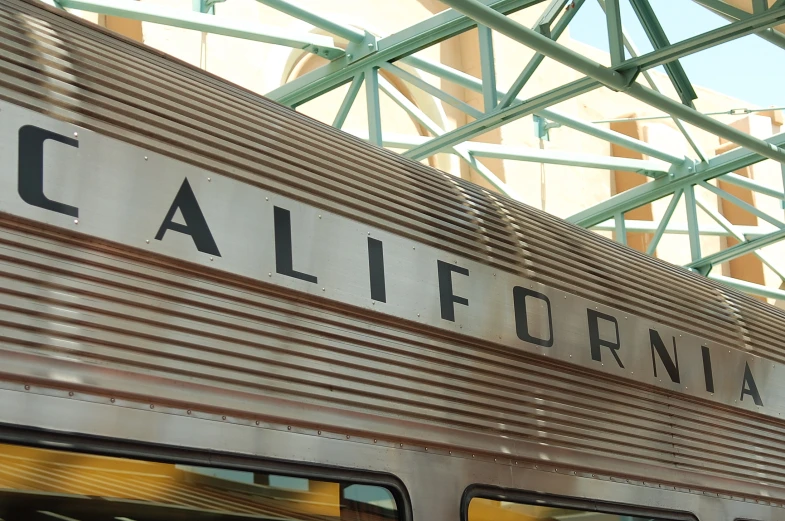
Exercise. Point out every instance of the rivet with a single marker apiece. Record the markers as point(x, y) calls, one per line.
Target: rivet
point(152, 406)
point(223, 417)
point(288, 428)
point(565, 296)
point(209, 179)
point(516, 462)
point(349, 56)
point(322, 289)
point(495, 460)
point(556, 470)
point(374, 441)
point(27, 387)
point(70, 393)
point(413, 247)
point(320, 217)
point(373, 303)
point(189, 412)
point(472, 455)
point(450, 452)
point(269, 274)
point(604, 364)
point(347, 436)
point(147, 241)
point(418, 314)
point(401, 444)
point(145, 158)
point(76, 134)
point(266, 198)
point(317, 432)
point(426, 449)
point(370, 46)
point(76, 221)
point(594, 475)
point(211, 258)
point(536, 466)
point(111, 400)
point(257, 422)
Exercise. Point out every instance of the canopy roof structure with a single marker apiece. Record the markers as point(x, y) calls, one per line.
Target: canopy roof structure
point(354, 56)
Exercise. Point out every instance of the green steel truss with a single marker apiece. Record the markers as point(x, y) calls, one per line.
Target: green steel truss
point(355, 57)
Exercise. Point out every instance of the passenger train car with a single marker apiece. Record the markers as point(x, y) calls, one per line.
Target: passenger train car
point(215, 308)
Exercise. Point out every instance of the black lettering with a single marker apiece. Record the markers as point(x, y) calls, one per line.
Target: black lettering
point(284, 263)
point(597, 342)
point(519, 295)
point(659, 346)
point(749, 387)
point(31, 168)
point(446, 297)
point(195, 223)
point(376, 269)
point(708, 376)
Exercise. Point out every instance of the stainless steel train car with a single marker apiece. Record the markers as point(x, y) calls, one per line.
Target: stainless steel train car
point(215, 308)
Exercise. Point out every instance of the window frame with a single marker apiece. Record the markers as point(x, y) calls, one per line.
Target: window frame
point(161, 453)
point(554, 500)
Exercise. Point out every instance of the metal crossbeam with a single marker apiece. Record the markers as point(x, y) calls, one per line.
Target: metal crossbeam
point(499, 118)
point(617, 80)
point(442, 26)
point(659, 188)
point(732, 14)
point(344, 31)
point(659, 40)
point(322, 45)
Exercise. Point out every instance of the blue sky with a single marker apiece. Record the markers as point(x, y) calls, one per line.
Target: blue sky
point(749, 68)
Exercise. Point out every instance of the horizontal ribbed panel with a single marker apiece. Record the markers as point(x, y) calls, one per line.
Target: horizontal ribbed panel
point(111, 317)
point(107, 315)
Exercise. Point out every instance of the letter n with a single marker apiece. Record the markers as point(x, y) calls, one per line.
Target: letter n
point(671, 364)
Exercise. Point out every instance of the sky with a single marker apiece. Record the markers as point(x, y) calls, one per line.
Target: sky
point(750, 68)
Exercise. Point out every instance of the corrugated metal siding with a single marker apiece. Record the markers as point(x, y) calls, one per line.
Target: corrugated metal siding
point(145, 327)
point(119, 324)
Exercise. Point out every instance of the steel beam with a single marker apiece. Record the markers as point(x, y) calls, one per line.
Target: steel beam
point(749, 287)
point(615, 41)
point(372, 102)
point(318, 44)
point(439, 27)
point(738, 250)
point(348, 101)
point(659, 188)
point(659, 40)
point(433, 90)
point(487, 67)
point(558, 157)
point(733, 14)
point(499, 118)
point(747, 26)
point(470, 82)
point(344, 31)
point(434, 129)
point(553, 33)
point(616, 80)
point(664, 223)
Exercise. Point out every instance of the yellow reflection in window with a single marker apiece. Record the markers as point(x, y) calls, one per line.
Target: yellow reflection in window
point(36, 482)
point(481, 509)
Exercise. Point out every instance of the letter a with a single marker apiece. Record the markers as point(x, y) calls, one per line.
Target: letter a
point(749, 387)
point(195, 223)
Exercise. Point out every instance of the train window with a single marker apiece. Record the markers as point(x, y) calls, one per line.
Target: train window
point(487, 504)
point(49, 485)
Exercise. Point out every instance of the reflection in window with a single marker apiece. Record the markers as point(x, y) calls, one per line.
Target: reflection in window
point(50, 485)
point(481, 509)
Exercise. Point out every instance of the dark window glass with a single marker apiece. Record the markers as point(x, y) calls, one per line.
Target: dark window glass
point(50, 485)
